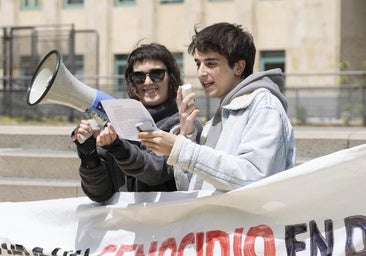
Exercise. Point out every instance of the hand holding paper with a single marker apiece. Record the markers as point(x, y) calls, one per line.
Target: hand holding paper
point(124, 114)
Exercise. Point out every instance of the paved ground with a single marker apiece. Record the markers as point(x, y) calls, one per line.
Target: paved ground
point(329, 128)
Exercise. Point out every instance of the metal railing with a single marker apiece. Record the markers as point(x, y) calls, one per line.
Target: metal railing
point(339, 99)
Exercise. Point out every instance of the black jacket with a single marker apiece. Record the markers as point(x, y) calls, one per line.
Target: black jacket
point(127, 165)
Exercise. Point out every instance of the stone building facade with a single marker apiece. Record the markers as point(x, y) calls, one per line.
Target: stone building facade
point(299, 36)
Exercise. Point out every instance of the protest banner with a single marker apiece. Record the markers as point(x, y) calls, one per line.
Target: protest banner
point(316, 208)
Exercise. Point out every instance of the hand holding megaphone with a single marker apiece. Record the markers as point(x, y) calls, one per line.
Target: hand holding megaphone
point(52, 83)
point(94, 123)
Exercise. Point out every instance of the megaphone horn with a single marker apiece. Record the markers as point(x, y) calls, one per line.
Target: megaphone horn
point(52, 83)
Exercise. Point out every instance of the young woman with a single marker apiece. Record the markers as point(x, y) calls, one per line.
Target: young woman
point(110, 164)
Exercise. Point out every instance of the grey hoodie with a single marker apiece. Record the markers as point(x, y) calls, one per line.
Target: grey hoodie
point(255, 139)
point(270, 79)
point(255, 81)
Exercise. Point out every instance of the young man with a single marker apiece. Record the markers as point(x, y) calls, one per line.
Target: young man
point(249, 138)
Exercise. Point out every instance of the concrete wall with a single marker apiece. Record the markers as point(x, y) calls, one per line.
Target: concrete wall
point(315, 34)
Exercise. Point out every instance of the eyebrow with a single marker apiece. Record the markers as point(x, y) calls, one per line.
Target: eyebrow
point(208, 59)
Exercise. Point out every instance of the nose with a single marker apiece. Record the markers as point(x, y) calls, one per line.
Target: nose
point(202, 70)
point(148, 79)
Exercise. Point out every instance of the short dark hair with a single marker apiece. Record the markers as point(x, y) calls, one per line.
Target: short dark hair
point(158, 52)
point(229, 40)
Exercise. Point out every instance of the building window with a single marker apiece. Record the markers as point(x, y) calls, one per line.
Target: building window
point(179, 58)
point(170, 1)
point(30, 5)
point(124, 2)
point(272, 59)
point(120, 85)
point(73, 3)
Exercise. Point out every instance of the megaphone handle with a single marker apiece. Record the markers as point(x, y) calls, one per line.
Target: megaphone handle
point(83, 137)
point(94, 122)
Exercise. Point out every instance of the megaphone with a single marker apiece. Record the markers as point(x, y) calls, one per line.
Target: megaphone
point(53, 83)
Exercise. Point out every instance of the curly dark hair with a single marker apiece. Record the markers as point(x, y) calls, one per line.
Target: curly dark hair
point(154, 51)
point(229, 40)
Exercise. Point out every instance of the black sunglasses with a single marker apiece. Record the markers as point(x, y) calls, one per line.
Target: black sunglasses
point(156, 75)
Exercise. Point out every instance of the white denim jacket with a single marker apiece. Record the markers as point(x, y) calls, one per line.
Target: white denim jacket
point(256, 141)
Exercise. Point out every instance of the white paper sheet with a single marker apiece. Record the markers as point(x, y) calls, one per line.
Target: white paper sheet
point(124, 114)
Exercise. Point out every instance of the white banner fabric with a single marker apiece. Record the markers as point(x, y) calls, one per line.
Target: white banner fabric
point(316, 208)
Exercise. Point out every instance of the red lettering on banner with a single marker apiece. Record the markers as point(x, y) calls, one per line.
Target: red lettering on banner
point(221, 237)
point(238, 235)
point(188, 239)
point(169, 244)
point(108, 249)
point(205, 242)
point(153, 248)
point(199, 243)
point(262, 231)
point(140, 250)
point(126, 248)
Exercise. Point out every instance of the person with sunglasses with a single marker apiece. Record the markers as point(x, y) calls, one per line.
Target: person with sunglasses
point(250, 137)
point(111, 164)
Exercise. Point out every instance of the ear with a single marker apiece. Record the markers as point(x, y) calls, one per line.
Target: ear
point(239, 67)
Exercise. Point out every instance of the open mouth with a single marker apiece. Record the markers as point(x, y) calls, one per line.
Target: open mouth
point(207, 84)
point(150, 89)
